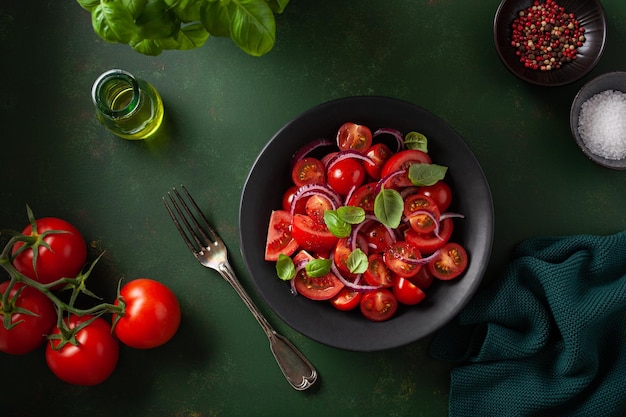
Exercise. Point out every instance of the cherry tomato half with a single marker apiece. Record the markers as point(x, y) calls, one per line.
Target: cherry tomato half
point(406, 292)
point(422, 212)
point(355, 137)
point(377, 272)
point(344, 175)
point(315, 288)
point(394, 258)
point(315, 207)
point(64, 256)
point(451, 262)
point(364, 197)
point(379, 305)
point(379, 153)
point(29, 330)
point(378, 237)
point(92, 360)
point(402, 161)
point(428, 243)
point(279, 236)
point(151, 317)
point(347, 299)
point(308, 171)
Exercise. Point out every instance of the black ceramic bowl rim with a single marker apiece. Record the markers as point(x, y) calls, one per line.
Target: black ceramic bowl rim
point(610, 81)
point(591, 16)
point(269, 177)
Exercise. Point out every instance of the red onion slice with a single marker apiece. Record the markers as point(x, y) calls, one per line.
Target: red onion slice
point(312, 189)
point(308, 148)
point(340, 156)
point(393, 132)
point(386, 178)
point(352, 285)
point(420, 261)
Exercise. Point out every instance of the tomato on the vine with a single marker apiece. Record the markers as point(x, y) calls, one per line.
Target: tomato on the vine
point(91, 360)
point(151, 317)
point(344, 175)
point(449, 263)
point(29, 329)
point(59, 255)
point(379, 305)
point(355, 137)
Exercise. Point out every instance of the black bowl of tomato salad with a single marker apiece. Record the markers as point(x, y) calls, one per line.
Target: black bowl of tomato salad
point(550, 42)
point(467, 220)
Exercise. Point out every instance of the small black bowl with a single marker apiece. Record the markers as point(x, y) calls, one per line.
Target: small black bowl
point(592, 18)
point(611, 81)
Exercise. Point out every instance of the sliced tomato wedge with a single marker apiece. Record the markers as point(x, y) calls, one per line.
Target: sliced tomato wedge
point(406, 292)
point(379, 305)
point(355, 137)
point(308, 171)
point(402, 161)
point(311, 235)
point(428, 243)
point(450, 263)
point(347, 299)
point(422, 212)
point(315, 288)
point(379, 153)
point(397, 258)
point(364, 197)
point(279, 236)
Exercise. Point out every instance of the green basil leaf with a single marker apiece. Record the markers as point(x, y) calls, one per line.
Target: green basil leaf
point(253, 27)
point(357, 262)
point(318, 267)
point(285, 268)
point(336, 225)
point(216, 17)
point(426, 174)
point(192, 36)
point(351, 214)
point(88, 5)
point(186, 10)
point(388, 207)
point(278, 6)
point(146, 47)
point(113, 22)
point(135, 7)
point(417, 141)
point(157, 21)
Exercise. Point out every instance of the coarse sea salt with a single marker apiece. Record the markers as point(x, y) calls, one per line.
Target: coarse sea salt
point(602, 124)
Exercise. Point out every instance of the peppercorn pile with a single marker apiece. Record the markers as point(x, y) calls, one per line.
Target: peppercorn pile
point(546, 36)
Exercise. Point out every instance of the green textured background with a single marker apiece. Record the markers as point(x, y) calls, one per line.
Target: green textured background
point(223, 106)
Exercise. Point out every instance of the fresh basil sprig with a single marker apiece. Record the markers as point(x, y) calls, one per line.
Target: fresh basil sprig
point(340, 221)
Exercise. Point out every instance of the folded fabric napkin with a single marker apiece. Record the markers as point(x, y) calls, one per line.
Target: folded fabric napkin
point(548, 338)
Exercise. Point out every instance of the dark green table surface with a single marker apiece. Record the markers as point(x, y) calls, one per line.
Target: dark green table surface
point(223, 107)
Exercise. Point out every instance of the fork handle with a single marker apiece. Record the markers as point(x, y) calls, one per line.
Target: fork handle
point(300, 373)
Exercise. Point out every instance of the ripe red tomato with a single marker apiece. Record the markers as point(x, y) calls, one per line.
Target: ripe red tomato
point(347, 299)
point(402, 161)
point(151, 317)
point(308, 171)
point(279, 237)
point(428, 243)
point(406, 292)
point(379, 153)
point(311, 235)
point(379, 305)
point(364, 197)
point(352, 136)
point(378, 272)
point(344, 175)
point(29, 330)
point(440, 192)
point(393, 258)
point(450, 263)
point(92, 360)
point(64, 257)
point(315, 207)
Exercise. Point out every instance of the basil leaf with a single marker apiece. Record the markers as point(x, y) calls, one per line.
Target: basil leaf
point(186, 10)
point(135, 7)
point(216, 17)
point(113, 22)
point(336, 225)
point(357, 262)
point(253, 27)
point(351, 214)
point(285, 268)
point(388, 207)
point(157, 21)
point(416, 141)
point(146, 47)
point(189, 37)
point(317, 268)
point(426, 174)
point(88, 5)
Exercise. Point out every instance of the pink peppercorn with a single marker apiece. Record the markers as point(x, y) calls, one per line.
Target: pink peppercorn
point(545, 36)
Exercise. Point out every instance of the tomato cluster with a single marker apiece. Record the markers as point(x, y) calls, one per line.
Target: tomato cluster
point(44, 262)
point(401, 260)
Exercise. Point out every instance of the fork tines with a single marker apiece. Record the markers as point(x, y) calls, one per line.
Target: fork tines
point(196, 226)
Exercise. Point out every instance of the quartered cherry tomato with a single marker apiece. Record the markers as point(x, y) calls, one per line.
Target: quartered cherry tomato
point(279, 236)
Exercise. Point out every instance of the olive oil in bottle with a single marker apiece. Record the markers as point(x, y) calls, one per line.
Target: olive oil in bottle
point(129, 107)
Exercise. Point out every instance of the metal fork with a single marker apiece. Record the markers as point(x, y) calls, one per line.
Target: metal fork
point(210, 251)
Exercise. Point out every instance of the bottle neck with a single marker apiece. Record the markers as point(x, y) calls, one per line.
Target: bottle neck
point(116, 94)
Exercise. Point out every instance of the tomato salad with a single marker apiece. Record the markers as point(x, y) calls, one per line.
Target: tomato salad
point(364, 226)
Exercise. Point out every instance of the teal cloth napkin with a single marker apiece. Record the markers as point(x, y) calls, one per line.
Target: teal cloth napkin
point(548, 338)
